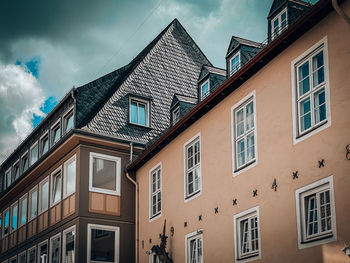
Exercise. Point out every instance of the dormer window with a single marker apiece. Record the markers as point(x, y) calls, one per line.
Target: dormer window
point(205, 90)
point(25, 162)
point(279, 23)
point(176, 114)
point(235, 63)
point(139, 112)
point(16, 170)
point(68, 121)
point(44, 144)
point(34, 153)
point(55, 133)
point(8, 178)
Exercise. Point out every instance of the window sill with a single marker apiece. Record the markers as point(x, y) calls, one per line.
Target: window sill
point(318, 238)
point(312, 129)
point(247, 257)
point(192, 196)
point(103, 191)
point(140, 125)
point(156, 216)
point(245, 166)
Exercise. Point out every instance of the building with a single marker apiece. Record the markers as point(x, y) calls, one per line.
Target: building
point(64, 194)
point(258, 170)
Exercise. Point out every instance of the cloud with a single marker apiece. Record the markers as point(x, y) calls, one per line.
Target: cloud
point(20, 97)
point(47, 106)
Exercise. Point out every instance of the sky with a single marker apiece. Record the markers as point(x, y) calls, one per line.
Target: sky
point(47, 47)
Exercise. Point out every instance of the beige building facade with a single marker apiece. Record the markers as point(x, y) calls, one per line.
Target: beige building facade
point(263, 175)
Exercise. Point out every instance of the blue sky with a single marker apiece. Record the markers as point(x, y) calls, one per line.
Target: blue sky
point(52, 46)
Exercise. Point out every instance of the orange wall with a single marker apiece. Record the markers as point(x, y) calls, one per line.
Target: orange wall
point(277, 158)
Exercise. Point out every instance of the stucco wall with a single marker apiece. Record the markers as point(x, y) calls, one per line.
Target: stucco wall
point(278, 157)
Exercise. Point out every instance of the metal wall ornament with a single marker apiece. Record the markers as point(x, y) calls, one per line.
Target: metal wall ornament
point(200, 218)
point(172, 231)
point(321, 163)
point(160, 250)
point(185, 224)
point(216, 210)
point(295, 175)
point(255, 192)
point(347, 155)
point(274, 184)
point(234, 201)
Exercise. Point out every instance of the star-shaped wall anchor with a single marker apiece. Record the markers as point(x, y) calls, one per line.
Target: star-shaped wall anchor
point(295, 175)
point(255, 192)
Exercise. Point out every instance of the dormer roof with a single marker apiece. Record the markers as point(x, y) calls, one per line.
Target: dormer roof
point(278, 4)
point(238, 41)
point(181, 98)
point(206, 70)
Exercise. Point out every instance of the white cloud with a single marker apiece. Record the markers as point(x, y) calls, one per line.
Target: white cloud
point(20, 97)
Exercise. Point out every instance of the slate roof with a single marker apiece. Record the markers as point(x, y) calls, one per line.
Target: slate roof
point(169, 65)
point(237, 41)
point(278, 3)
point(178, 97)
point(216, 70)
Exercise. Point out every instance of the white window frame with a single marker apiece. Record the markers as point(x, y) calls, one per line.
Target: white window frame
point(204, 96)
point(64, 241)
point(174, 113)
point(297, 136)
point(25, 196)
point(40, 211)
point(300, 194)
point(22, 253)
point(233, 71)
point(26, 154)
point(254, 211)
point(58, 235)
point(46, 134)
point(36, 144)
point(3, 219)
point(248, 165)
point(35, 252)
point(68, 113)
point(14, 170)
point(66, 163)
point(13, 258)
point(11, 216)
point(198, 234)
point(192, 141)
point(54, 173)
point(38, 251)
point(35, 188)
point(6, 173)
point(152, 216)
point(107, 228)
point(280, 30)
point(112, 158)
point(147, 111)
point(53, 127)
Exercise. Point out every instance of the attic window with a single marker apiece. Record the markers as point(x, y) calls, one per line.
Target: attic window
point(139, 112)
point(176, 114)
point(279, 24)
point(56, 132)
point(205, 90)
point(68, 121)
point(235, 63)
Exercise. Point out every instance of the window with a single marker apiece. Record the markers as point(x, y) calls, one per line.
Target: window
point(69, 177)
point(22, 257)
point(31, 255)
point(139, 112)
point(56, 185)
point(311, 106)
point(23, 210)
point(244, 139)
point(104, 174)
point(205, 90)
point(279, 23)
point(16, 170)
point(43, 195)
point(43, 252)
point(176, 114)
point(44, 144)
point(14, 217)
point(192, 167)
point(13, 259)
point(103, 243)
point(6, 215)
point(247, 235)
point(34, 153)
point(55, 249)
point(316, 213)
point(156, 191)
point(194, 247)
point(235, 63)
point(68, 121)
point(25, 162)
point(68, 250)
point(33, 203)
point(56, 132)
point(8, 178)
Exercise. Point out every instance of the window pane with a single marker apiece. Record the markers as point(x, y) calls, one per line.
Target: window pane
point(56, 134)
point(56, 188)
point(44, 196)
point(239, 123)
point(69, 122)
point(33, 204)
point(102, 245)
point(23, 216)
point(45, 145)
point(8, 179)
point(133, 112)
point(70, 177)
point(104, 174)
point(6, 222)
point(22, 258)
point(69, 248)
point(190, 157)
point(320, 106)
point(32, 256)
point(43, 258)
point(304, 78)
point(250, 116)
point(205, 90)
point(34, 154)
point(55, 250)
point(190, 182)
point(318, 69)
point(14, 213)
point(16, 172)
point(250, 147)
point(25, 163)
point(240, 153)
point(305, 114)
point(284, 20)
point(235, 64)
point(142, 114)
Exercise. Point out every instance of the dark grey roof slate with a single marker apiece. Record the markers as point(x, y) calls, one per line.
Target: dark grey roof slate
point(169, 65)
point(277, 4)
point(182, 98)
point(237, 41)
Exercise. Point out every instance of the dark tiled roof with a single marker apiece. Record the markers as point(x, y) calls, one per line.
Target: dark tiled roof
point(182, 98)
point(237, 41)
point(278, 3)
point(169, 65)
point(216, 70)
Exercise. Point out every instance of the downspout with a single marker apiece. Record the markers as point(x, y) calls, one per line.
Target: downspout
point(136, 209)
point(340, 11)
